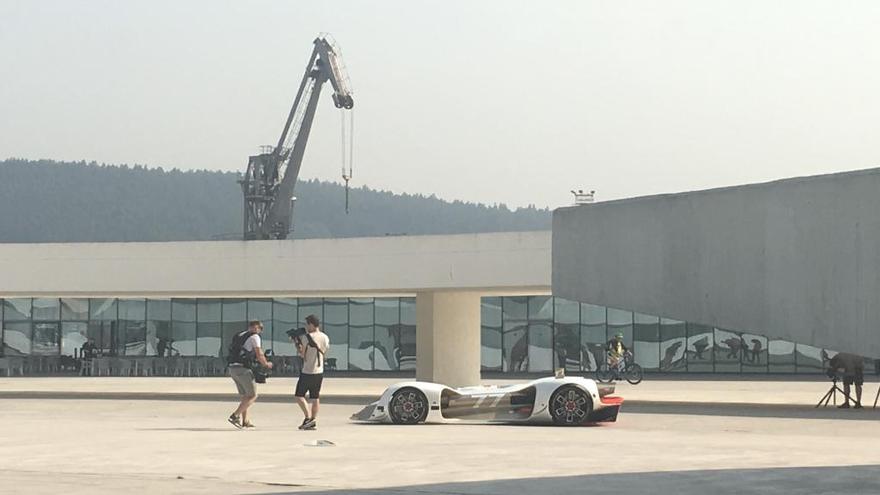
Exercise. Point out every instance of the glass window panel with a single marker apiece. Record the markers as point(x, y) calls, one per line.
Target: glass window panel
point(103, 328)
point(541, 308)
point(133, 326)
point(16, 338)
point(47, 339)
point(781, 356)
point(728, 350)
point(47, 309)
point(540, 347)
point(209, 331)
point(490, 333)
point(673, 343)
point(17, 309)
point(310, 306)
point(565, 311)
point(567, 342)
point(285, 315)
point(593, 336)
point(407, 359)
point(515, 337)
point(755, 354)
point(646, 341)
point(73, 336)
point(387, 333)
point(335, 325)
point(102, 309)
point(101, 332)
point(540, 333)
point(699, 348)
point(808, 359)
point(158, 324)
point(75, 309)
point(183, 328)
point(362, 346)
point(234, 321)
point(408, 310)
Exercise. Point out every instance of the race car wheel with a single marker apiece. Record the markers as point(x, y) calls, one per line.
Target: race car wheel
point(633, 374)
point(409, 406)
point(570, 406)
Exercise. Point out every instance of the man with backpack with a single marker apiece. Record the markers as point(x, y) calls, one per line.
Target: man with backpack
point(245, 351)
point(311, 347)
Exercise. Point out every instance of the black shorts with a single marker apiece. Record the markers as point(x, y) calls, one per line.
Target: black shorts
point(858, 378)
point(309, 383)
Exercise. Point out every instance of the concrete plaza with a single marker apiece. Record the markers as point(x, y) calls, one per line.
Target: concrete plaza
point(185, 445)
point(772, 391)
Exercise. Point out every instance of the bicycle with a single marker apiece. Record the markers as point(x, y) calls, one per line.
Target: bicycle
point(625, 369)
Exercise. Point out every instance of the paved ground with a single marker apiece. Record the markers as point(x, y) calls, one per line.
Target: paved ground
point(762, 390)
point(146, 446)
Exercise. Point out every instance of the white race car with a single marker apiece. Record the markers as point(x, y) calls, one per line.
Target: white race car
point(566, 401)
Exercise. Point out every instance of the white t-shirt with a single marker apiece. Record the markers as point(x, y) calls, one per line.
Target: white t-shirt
point(312, 365)
point(252, 343)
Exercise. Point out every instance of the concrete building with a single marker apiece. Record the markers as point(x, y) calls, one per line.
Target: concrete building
point(446, 276)
point(767, 278)
point(796, 259)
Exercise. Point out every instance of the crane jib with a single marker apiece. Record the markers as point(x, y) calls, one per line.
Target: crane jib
point(270, 177)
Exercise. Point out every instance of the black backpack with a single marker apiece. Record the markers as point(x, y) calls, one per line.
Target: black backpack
point(237, 353)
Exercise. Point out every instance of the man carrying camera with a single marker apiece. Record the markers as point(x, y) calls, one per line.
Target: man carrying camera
point(311, 345)
point(245, 351)
point(853, 369)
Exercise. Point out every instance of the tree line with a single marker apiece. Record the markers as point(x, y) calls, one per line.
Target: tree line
point(51, 201)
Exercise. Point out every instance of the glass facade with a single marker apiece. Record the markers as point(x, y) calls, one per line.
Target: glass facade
point(518, 333)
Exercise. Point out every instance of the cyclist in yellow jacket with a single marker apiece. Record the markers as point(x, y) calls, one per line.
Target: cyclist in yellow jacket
point(616, 351)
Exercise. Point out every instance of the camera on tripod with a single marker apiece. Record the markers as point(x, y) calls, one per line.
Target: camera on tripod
point(833, 374)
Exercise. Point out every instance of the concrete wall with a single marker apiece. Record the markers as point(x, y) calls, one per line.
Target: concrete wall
point(517, 262)
point(797, 259)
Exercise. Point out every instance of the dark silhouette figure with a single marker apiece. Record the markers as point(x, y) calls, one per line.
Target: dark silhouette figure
point(700, 347)
point(519, 354)
point(734, 346)
point(89, 349)
point(757, 347)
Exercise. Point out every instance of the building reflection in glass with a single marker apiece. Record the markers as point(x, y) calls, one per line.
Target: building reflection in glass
point(518, 333)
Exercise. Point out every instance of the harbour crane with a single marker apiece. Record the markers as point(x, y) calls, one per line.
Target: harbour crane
point(271, 176)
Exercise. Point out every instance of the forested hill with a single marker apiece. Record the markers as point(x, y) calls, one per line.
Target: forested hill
point(46, 201)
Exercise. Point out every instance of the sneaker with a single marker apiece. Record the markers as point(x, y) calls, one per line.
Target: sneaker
point(303, 424)
point(309, 425)
point(858, 406)
point(248, 424)
point(843, 406)
point(235, 421)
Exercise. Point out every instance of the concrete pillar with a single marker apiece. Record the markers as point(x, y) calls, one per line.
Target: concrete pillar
point(448, 337)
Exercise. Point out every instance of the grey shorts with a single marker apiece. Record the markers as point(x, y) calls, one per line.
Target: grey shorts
point(244, 380)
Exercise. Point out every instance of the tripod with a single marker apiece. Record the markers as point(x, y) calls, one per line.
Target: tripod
point(831, 394)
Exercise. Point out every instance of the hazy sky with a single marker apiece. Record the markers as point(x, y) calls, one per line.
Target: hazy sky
point(514, 102)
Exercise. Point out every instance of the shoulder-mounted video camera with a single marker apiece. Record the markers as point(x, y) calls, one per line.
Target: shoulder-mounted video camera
point(296, 333)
